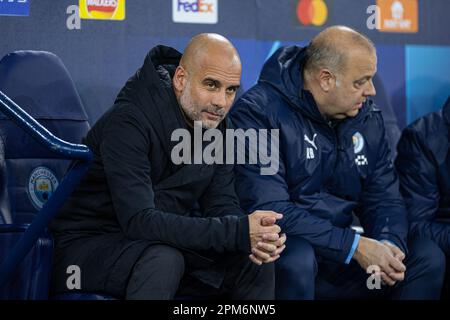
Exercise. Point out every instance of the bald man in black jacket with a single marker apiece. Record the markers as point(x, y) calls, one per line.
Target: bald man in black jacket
point(140, 226)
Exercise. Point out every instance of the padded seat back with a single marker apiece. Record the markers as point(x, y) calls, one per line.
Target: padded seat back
point(41, 85)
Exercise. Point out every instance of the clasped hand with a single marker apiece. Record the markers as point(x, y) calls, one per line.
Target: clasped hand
point(265, 239)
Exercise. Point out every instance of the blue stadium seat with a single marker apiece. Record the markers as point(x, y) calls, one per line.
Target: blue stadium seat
point(31, 171)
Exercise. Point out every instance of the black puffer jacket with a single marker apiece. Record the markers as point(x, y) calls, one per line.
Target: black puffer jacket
point(134, 196)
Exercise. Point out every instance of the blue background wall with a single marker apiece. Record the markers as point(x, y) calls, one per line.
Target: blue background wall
point(101, 55)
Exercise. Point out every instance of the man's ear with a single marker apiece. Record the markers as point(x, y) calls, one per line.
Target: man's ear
point(326, 79)
point(179, 79)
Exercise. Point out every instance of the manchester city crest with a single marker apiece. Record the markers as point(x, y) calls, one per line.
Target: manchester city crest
point(41, 184)
point(358, 142)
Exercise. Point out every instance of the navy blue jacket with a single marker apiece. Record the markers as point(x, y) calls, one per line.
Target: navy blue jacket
point(326, 171)
point(423, 163)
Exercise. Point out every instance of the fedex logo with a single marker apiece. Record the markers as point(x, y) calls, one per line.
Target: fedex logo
point(196, 6)
point(195, 11)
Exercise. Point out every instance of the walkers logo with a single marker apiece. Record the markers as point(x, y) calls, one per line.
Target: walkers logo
point(102, 9)
point(195, 11)
point(312, 12)
point(14, 7)
point(398, 15)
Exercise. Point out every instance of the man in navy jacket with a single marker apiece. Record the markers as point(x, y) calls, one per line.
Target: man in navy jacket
point(423, 163)
point(334, 160)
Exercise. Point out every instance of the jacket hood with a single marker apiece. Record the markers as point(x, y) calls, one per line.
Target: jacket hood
point(446, 111)
point(150, 90)
point(284, 72)
point(155, 73)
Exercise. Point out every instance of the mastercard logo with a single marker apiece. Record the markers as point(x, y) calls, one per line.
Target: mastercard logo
point(312, 12)
point(102, 9)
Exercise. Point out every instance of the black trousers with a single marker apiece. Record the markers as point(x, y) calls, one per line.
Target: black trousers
point(162, 273)
point(446, 288)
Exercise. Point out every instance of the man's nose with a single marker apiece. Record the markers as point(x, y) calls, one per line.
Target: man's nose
point(370, 91)
point(220, 99)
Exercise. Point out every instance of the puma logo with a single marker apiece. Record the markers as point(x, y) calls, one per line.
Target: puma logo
point(311, 142)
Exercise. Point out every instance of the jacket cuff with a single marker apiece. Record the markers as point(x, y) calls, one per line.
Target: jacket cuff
point(340, 245)
point(243, 236)
point(353, 249)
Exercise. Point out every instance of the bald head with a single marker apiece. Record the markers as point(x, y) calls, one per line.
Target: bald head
point(333, 47)
point(206, 81)
point(208, 46)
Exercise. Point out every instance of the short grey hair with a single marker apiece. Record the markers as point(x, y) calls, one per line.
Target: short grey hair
point(329, 48)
